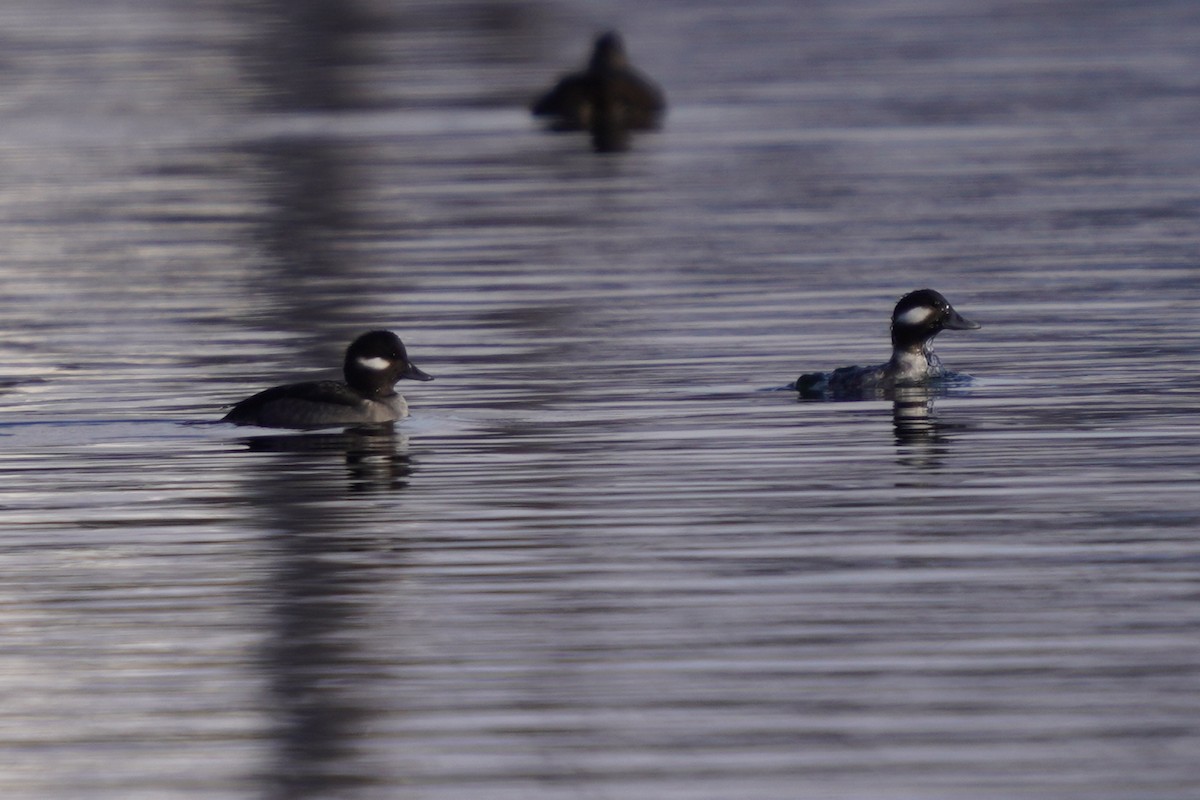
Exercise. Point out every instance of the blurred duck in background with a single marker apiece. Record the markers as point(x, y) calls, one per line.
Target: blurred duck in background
point(609, 99)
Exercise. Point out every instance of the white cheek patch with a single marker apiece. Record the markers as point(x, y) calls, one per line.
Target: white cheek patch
point(916, 316)
point(375, 363)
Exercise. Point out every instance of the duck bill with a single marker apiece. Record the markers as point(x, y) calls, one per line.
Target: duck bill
point(414, 374)
point(957, 322)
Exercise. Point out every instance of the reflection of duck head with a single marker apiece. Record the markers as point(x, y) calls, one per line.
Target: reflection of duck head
point(919, 433)
point(912, 415)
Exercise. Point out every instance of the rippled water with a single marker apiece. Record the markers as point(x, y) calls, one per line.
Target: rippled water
point(605, 558)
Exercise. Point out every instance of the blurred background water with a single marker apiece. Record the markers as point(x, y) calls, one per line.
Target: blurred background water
point(602, 559)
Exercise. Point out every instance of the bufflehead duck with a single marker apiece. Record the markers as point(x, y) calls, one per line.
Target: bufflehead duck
point(918, 317)
point(608, 99)
point(373, 364)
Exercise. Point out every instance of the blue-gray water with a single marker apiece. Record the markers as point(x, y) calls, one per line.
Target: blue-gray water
point(602, 559)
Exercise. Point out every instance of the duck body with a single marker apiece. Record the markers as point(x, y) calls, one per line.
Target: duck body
point(374, 363)
point(917, 318)
point(315, 404)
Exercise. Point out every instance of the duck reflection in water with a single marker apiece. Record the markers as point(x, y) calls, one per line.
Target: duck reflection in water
point(376, 457)
point(609, 99)
point(329, 559)
point(919, 434)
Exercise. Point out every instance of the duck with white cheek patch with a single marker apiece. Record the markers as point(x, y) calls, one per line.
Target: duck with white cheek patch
point(918, 317)
point(374, 363)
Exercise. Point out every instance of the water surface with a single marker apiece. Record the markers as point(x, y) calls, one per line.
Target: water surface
point(604, 558)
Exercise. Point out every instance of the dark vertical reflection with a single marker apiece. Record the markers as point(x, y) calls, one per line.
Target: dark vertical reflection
point(308, 209)
point(317, 600)
point(302, 52)
point(301, 59)
point(326, 574)
point(314, 69)
point(317, 656)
